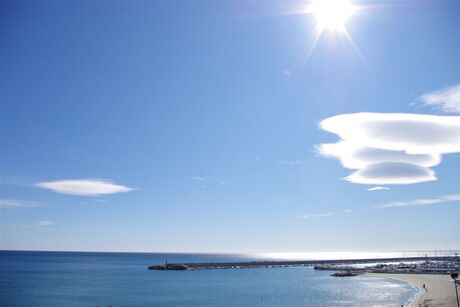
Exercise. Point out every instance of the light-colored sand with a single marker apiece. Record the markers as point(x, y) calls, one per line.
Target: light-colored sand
point(439, 290)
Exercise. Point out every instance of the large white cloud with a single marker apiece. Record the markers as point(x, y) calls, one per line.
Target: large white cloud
point(84, 187)
point(412, 133)
point(448, 99)
point(391, 148)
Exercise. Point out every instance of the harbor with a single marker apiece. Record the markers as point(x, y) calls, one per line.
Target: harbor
point(432, 264)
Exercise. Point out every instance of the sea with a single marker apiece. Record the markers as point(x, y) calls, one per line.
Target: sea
point(83, 279)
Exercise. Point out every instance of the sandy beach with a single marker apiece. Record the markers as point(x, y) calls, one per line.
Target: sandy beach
point(439, 289)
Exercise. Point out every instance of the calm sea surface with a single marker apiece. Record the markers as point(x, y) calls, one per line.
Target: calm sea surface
point(122, 279)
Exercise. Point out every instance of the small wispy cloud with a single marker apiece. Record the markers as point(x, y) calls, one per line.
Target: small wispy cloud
point(16, 203)
point(422, 202)
point(84, 187)
point(45, 223)
point(209, 180)
point(287, 72)
point(447, 99)
point(196, 178)
point(219, 181)
point(325, 214)
point(15, 180)
point(379, 188)
point(314, 216)
point(290, 162)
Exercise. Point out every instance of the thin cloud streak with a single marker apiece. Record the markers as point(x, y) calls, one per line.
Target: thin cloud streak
point(326, 214)
point(16, 203)
point(290, 162)
point(196, 178)
point(45, 223)
point(313, 216)
point(15, 181)
point(378, 188)
point(211, 180)
point(422, 202)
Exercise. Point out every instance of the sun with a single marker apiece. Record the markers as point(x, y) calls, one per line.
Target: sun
point(332, 15)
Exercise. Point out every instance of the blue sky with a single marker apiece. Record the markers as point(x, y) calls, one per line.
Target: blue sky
point(197, 126)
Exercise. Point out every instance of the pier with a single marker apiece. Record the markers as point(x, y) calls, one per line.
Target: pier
point(289, 263)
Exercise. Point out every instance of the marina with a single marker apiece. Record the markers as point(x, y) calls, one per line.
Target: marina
point(433, 264)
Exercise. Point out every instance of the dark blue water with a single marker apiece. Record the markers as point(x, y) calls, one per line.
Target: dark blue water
point(122, 279)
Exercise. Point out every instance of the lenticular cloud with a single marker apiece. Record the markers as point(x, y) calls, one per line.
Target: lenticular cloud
point(84, 187)
point(391, 148)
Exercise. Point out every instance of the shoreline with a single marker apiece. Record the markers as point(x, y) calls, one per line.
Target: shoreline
point(439, 289)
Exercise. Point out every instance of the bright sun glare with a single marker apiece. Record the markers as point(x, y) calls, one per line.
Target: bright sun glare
point(332, 14)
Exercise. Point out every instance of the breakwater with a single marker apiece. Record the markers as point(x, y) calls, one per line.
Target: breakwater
point(285, 263)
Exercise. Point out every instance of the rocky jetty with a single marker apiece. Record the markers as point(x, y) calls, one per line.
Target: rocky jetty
point(436, 265)
point(169, 267)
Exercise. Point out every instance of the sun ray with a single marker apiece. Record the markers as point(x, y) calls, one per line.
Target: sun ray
point(312, 44)
point(331, 16)
point(358, 51)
